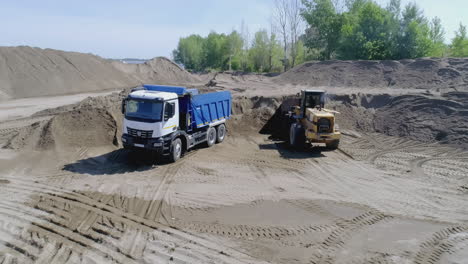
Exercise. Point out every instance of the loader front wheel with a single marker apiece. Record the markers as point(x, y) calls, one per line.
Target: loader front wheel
point(297, 136)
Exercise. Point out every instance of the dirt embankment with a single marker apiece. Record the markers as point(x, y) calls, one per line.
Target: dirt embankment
point(447, 74)
point(94, 122)
point(424, 118)
point(98, 121)
point(29, 72)
point(159, 70)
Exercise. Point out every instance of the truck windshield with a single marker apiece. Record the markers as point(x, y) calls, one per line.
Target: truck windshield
point(145, 109)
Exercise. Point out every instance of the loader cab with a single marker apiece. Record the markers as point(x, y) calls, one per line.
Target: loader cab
point(312, 99)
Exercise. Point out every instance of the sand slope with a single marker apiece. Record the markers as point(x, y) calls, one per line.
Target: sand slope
point(30, 72)
point(158, 70)
point(27, 72)
point(446, 73)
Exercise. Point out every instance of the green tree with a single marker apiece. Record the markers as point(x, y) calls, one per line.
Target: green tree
point(366, 32)
point(302, 53)
point(233, 46)
point(324, 26)
point(258, 53)
point(436, 34)
point(190, 52)
point(215, 53)
point(459, 46)
point(275, 54)
point(414, 38)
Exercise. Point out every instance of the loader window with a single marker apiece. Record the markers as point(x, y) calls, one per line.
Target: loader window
point(313, 100)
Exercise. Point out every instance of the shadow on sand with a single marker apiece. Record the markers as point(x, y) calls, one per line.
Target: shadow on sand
point(287, 152)
point(117, 161)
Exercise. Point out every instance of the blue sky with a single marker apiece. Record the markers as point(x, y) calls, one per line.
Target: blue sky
point(144, 28)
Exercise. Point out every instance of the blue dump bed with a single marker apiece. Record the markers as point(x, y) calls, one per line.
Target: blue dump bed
point(204, 109)
point(210, 108)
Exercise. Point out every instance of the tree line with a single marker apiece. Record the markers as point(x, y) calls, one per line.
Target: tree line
point(323, 30)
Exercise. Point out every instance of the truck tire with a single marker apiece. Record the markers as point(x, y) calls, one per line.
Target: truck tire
point(176, 150)
point(220, 133)
point(211, 136)
point(333, 145)
point(297, 136)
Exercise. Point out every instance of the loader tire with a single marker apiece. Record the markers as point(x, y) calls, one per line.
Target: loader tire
point(297, 136)
point(333, 145)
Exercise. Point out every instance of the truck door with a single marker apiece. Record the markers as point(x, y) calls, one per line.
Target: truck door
point(171, 117)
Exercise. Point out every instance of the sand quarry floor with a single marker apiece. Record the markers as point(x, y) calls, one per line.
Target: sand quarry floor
point(378, 199)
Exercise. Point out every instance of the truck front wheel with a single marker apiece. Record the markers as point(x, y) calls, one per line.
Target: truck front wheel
point(221, 133)
point(176, 150)
point(211, 136)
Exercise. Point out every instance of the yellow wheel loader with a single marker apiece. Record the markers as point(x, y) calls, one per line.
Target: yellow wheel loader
point(312, 123)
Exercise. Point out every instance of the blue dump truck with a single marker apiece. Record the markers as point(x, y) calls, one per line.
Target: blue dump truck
point(170, 120)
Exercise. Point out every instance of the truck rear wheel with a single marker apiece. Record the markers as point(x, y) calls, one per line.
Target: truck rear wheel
point(220, 133)
point(333, 145)
point(211, 136)
point(297, 136)
point(176, 150)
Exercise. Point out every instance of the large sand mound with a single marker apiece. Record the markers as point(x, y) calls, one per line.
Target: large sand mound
point(447, 73)
point(158, 70)
point(28, 72)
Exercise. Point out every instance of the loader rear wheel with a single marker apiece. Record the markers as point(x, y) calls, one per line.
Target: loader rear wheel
point(176, 150)
point(297, 136)
point(220, 133)
point(333, 145)
point(211, 136)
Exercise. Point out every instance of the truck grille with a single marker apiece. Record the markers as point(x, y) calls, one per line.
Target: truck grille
point(324, 125)
point(140, 133)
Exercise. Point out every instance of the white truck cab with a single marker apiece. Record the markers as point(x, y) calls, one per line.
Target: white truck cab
point(151, 114)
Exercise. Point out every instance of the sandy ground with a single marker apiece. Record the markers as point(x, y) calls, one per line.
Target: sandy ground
point(378, 199)
point(69, 194)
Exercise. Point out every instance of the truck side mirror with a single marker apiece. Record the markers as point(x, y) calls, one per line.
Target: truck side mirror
point(123, 106)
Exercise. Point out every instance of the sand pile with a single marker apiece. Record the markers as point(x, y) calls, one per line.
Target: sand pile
point(443, 74)
point(69, 130)
point(94, 122)
point(28, 72)
point(159, 70)
point(424, 118)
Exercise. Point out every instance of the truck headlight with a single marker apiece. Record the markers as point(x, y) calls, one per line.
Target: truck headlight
point(157, 144)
